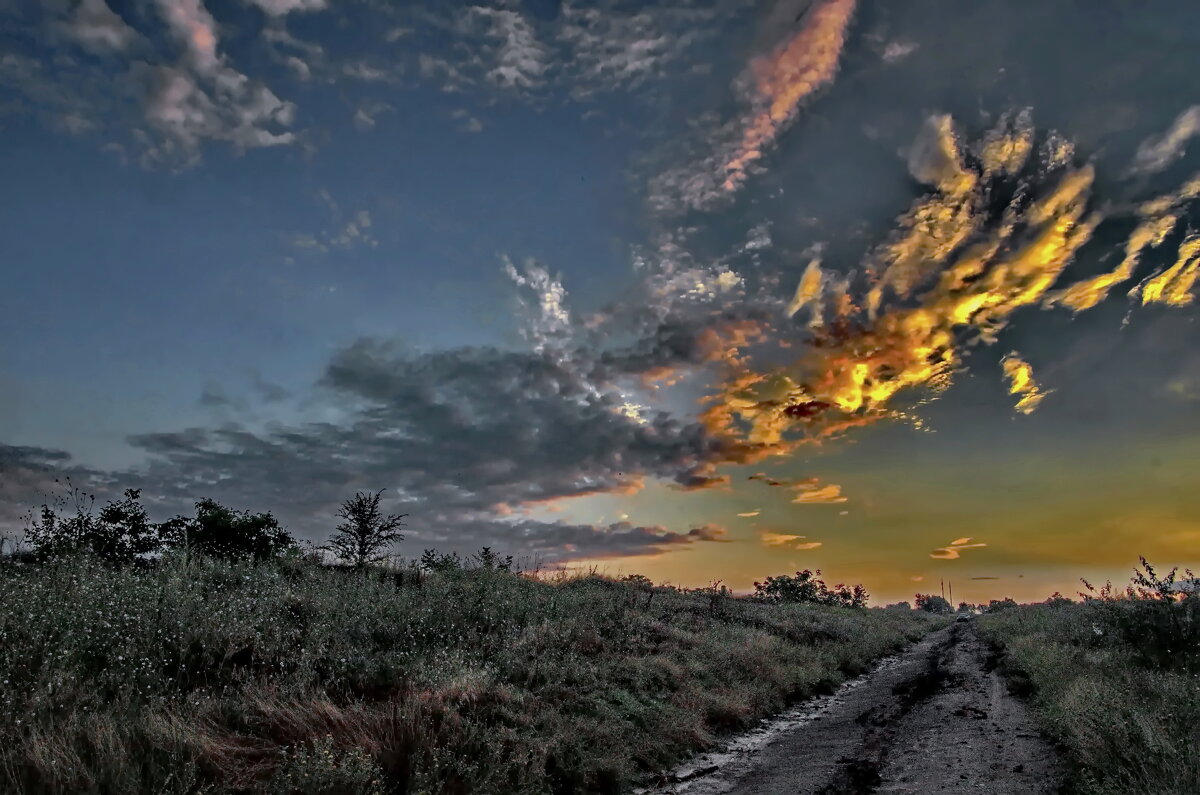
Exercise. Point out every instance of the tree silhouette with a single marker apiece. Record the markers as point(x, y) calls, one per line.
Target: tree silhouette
point(365, 534)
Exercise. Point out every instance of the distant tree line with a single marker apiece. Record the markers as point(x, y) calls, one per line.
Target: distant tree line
point(121, 533)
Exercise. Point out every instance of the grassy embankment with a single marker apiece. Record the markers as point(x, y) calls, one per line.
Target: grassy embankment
point(1115, 682)
point(291, 677)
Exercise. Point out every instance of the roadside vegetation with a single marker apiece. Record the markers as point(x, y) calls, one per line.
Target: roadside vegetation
point(212, 654)
point(1115, 680)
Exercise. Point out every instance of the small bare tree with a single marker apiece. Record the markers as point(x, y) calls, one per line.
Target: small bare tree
point(365, 534)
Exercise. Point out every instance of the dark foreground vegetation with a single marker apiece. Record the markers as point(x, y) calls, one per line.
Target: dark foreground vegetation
point(1115, 680)
point(195, 673)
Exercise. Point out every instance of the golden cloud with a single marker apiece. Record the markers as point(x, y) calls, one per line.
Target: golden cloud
point(961, 263)
point(825, 495)
point(1021, 382)
point(953, 551)
point(771, 539)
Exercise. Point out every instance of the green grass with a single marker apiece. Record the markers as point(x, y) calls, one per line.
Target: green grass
point(291, 677)
point(1116, 683)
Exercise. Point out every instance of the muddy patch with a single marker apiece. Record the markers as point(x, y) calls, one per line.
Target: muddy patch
point(935, 719)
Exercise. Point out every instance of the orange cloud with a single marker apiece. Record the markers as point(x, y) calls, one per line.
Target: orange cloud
point(952, 552)
point(825, 495)
point(784, 78)
point(772, 539)
point(953, 275)
point(1020, 375)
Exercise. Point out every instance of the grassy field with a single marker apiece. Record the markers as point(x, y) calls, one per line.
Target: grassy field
point(293, 677)
point(1115, 682)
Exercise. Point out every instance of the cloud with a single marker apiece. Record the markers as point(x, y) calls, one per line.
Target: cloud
point(954, 550)
point(749, 514)
point(470, 123)
point(585, 50)
point(709, 532)
point(233, 109)
point(796, 542)
point(1174, 286)
point(1158, 152)
point(195, 27)
point(371, 73)
point(808, 490)
point(774, 86)
point(949, 278)
point(510, 52)
point(784, 78)
point(279, 8)
point(97, 28)
point(613, 47)
point(1020, 375)
point(825, 495)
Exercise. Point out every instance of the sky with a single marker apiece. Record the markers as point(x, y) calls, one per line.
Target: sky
point(707, 291)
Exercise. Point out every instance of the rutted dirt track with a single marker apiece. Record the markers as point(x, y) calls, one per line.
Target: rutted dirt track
point(935, 719)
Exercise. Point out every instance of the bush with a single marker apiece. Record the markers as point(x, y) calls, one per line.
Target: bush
point(1113, 680)
point(932, 603)
point(1159, 625)
point(805, 587)
point(220, 532)
point(121, 534)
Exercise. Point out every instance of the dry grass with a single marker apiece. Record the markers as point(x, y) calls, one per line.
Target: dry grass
point(1116, 682)
point(290, 677)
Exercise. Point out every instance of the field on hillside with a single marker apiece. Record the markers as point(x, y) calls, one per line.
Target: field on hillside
point(288, 676)
point(1115, 681)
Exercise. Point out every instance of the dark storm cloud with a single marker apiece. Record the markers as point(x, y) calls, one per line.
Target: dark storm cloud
point(467, 441)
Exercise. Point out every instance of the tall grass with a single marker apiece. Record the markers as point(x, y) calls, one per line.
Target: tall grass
point(1116, 682)
point(287, 676)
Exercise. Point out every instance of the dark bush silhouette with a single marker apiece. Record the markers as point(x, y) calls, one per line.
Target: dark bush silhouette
point(220, 532)
point(121, 534)
point(432, 560)
point(1157, 623)
point(805, 587)
point(365, 534)
point(932, 603)
point(996, 605)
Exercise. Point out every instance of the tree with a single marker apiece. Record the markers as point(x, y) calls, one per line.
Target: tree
point(365, 534)
point(220, 532)
point(932, 603)
point(120, 534)
point(805, 587)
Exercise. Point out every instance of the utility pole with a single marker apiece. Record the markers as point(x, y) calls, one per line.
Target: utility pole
point(943, 588)
point(952, 593)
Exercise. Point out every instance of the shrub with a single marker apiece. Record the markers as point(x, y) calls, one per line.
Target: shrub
point(220, 532)
point(432, 560)
point(365, 534)
point(996, 605)
point(805, 587)
point(120, 534)
point(1160, 626)
point(932, 603)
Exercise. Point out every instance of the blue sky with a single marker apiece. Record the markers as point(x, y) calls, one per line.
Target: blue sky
point(492, 257)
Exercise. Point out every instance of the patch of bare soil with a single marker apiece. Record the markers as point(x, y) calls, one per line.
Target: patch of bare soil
point(935, 719)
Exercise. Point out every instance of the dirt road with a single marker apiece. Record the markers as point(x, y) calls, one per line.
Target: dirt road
point(934, 719)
